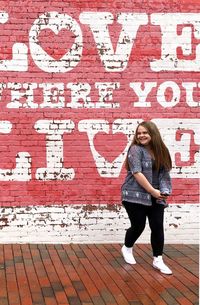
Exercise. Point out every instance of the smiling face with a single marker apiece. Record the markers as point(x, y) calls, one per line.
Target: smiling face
point(143, 137)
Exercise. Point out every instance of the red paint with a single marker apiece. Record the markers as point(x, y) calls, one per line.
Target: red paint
point(87, 187)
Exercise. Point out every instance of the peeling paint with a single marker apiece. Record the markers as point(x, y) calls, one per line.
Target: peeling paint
point(89, 223)
point(174, 225)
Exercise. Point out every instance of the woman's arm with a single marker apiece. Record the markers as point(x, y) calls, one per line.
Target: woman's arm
point(135, 156)
point(165, 184)
point(142, 180)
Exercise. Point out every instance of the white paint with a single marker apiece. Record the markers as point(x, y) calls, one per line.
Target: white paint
point(22, 95)
point(55, 22)
point(142, 94)
point(176, 93)
point(168, 128)
point(179, 135)
point(98, 22)
point(106, 94)
point(112, 61)
point(3, 17)
point(189, 93)
point(53, 95)
point(181, 148)
point(54, 130)
point(90, 224)
point(22, 171)
point(80, 95)
point(22, 90)
point(105, 168)
point(171, 40)
point(17, 63)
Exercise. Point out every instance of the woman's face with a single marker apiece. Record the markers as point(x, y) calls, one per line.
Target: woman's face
point(143, 136)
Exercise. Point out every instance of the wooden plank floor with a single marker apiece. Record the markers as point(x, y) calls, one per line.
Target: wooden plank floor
point(96, 274)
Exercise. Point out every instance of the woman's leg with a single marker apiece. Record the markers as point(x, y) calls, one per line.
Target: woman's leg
point(156, 218)
point(137, 216)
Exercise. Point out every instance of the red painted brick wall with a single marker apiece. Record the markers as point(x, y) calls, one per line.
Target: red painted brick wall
point(76, 77)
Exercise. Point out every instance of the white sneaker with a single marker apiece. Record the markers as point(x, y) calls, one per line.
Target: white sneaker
point(160, 265)
point(128, 255)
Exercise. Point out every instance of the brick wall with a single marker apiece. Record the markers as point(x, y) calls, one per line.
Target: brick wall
point(90, 224)
point(76, 78)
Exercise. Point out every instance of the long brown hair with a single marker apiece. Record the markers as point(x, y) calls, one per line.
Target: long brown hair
point(158, 147)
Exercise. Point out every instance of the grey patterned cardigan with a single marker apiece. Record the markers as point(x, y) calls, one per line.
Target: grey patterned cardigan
point(140, 161)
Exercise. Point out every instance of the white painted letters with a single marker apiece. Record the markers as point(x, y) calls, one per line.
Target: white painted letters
point(54, 129)
point(19, 61)
point(169, 60)
point(22, 171)
point(55, 22)
point(99, 21)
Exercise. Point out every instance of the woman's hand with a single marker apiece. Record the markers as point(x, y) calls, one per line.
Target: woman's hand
point(142, 180)
point(164, 196)
point(156, 194)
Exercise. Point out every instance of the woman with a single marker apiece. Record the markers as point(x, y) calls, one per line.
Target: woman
point(145, 191)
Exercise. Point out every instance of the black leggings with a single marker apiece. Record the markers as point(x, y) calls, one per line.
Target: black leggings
point(137, 214)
